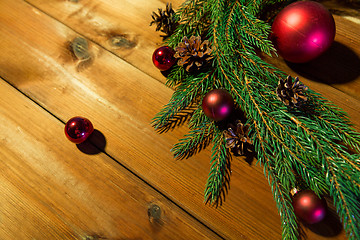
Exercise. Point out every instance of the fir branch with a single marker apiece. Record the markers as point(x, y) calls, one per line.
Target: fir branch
point(219, 176)
point(346, 199)
point(281, 196)
point(184, 95)
point(344, 132)
point(198, 138)
point(254, 6)
point(341, 173)
point(192, 20)
point(311, 142)
point(308, 172)
point(255, 31)
point(176, 76)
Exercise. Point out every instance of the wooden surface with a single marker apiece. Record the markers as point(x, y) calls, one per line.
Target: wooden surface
point(124, 182)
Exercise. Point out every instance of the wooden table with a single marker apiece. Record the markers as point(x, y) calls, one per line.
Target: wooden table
point(124, 182)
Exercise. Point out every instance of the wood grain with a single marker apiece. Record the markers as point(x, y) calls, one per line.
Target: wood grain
point(51, 190)
point(121, 100)
point(120, 91)
point(80, 16)
point(121, 27)
point(336, 73)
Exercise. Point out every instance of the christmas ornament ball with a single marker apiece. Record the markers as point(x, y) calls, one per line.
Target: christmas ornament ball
point(302, 31)
point(78, 129)
point(309, 207)
point(217, 104)
point(163, 58)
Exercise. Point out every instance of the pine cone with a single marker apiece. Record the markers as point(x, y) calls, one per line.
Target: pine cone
point(237, 139)
point(291, 93)
point(193, 53)
point(165, 21)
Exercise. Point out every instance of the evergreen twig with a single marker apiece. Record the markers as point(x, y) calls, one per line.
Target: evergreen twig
point(315, 142)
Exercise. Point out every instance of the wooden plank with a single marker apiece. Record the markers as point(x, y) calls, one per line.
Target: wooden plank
point(121, 100)
point(102, 20)
point(51, 190)
point(335, 74)
point(348, 8)
point(118, 26)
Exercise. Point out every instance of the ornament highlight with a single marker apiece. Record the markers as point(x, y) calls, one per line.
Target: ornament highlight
point(163, 58)
point(217, 104)
point(302, 31)
point(78, 129)
point(309, 207)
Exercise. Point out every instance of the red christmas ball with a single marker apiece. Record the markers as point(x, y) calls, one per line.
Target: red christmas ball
point(302, 31)
point(78, 129)
point(217, 104)
point(163, 58)
point(309, 207)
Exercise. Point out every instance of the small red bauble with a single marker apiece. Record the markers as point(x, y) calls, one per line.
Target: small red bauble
point(163, 58)
point(217, 104)
point(303, 31)
point(309, 207)
point(78, 129)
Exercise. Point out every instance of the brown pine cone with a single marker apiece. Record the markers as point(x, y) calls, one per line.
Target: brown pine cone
point(291, 93)
point(237, 139)
point(165, 21)
point(192, 53)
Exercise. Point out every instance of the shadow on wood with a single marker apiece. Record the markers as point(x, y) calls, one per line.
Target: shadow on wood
point(329, 227)
point(342, 7)
point(339, 64)
point(94, 145)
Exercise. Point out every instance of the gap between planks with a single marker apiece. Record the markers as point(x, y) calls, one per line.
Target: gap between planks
point(102, 47)
point(116, 161)
point(90, 40)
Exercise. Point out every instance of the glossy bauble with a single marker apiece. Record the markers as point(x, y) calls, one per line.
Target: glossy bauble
point(303, 31)
point(163, 58)
point(217, 104)
point(78, 129)
point(309, 207)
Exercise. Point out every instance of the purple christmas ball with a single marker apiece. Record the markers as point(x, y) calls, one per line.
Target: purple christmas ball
point(218, 104)
point(309, 207)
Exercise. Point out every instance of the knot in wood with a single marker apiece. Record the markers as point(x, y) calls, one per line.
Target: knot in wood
point(80, 48)
point(154, 213)
point(121, 42)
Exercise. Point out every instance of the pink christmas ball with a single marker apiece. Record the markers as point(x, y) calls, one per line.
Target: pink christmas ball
point(302, 31)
